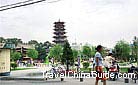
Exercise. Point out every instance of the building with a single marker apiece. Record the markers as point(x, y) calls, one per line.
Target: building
point(59, 33)
point(76, 46)
point(22, 48)
point(5, 58)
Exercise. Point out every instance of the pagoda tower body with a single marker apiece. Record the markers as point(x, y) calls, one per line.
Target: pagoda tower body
point(59, 33)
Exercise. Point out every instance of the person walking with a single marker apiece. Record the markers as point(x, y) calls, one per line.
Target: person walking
point(107, 60)
point(93, 65)
point(98, 65)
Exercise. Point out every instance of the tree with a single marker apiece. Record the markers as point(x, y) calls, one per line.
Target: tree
point(32, 53)
point(86, 51)
point(104, 52)
point(15, 56)
point(75, 54)
point(47, 44)
point(93, 50)
point(56, 52)
point(33, 42)
point(67, 56)
point(2, 40)
point(41, 51)
point(122, 50)
point(47, 60)
point(13, 41)
point(86, 65)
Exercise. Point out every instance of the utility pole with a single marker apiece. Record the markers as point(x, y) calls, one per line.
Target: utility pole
point(135, 44)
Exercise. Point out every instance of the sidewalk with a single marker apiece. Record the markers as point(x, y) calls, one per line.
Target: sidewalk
point(30, 76)
point(24, 75)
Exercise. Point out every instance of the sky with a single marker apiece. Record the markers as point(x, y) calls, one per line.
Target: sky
point(87, 21)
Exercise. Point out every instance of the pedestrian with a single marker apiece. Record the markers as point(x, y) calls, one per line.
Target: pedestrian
point(98, 65)
point(107, 61)
point(93, 64)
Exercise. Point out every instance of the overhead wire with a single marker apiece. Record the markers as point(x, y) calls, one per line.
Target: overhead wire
point(23, 3)
point(16, 3)
point(20, 5)
point(54, 1)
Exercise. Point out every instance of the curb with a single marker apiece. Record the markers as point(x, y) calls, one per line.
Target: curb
point(32, 79)
point(15, 78)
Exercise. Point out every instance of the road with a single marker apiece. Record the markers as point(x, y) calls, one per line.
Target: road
point(65, 82)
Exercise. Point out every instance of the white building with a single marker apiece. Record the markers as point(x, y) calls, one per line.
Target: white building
point(76, 46)
point(4, 60)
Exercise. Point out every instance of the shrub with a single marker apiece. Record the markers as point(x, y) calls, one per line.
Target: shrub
point(13, 65)
point(122, 61)
point(29, 65)
point(85, 64)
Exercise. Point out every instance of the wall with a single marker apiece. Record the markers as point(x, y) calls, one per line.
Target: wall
point(4, 60)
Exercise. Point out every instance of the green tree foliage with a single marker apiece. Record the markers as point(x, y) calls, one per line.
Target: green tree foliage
point(104, 52)
point(93, 50)
point(13, 41)
point(43, 49)
point(75, 54)
point(47, 44)
point(15, 56)
point(2, 40)
point(47, 60)
point(67, 56)
point(86, 65)
point(13, 65)
point(33, 42)
point(56, 52)
point(122, 50)
point(32, 53)
point(86, 51)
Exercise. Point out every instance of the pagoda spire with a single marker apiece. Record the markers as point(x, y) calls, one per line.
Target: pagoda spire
point(59, 20)
point(59, 33)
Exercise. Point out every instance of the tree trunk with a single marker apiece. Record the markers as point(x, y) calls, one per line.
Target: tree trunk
point(53, 60)
point(67, 65)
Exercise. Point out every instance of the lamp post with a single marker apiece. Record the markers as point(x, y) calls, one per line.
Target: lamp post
point(135, 44)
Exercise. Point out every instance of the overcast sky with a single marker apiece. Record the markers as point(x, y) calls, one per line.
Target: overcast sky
point(88, 21)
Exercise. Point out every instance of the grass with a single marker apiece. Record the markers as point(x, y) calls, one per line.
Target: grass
point(123, 70)
point(85, 69)
point(20, 69)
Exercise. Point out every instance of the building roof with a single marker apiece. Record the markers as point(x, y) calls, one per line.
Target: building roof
point(7, 45)
point(28, 46)
point(2, 45)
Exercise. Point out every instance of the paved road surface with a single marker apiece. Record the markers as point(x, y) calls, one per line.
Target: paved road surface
point(66, 82)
